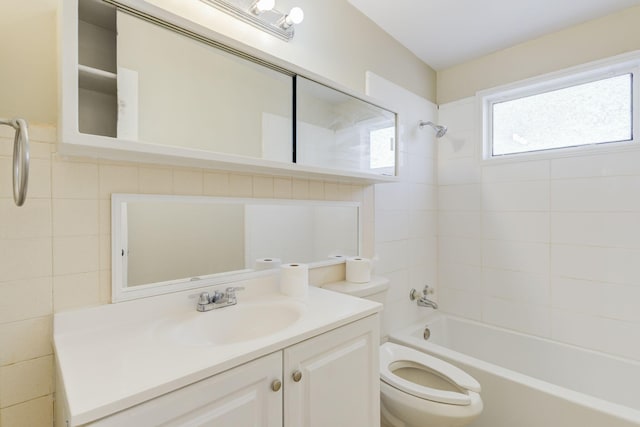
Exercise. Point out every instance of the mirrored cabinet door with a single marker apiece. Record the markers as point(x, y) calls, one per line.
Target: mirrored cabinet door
point(337, 130)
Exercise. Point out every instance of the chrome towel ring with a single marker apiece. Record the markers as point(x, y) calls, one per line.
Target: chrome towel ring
point(20, 158)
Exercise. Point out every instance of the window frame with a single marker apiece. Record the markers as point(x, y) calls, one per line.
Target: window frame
point(574, 76)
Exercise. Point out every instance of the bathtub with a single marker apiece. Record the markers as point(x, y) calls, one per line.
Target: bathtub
point(533, 382)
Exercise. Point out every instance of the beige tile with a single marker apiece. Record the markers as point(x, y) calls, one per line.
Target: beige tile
point(240, 185)
point(263, 186)
point(155, 180)
point(76, 290)
point(331, 191)
point(300, 189)
point(104, 251)
point(25, 299)
point(117, 179)
point(104, 214)
point(345, 192)
point(216, 184)
point(25, 258)
point(37, 150)
point(75, 255)
point(43, 133)
point(39, 185)
point(33, 219)
point(282, 188)
point(24, 340)
point(75, 217)
point(187, 181)
point(27, 380)
point(74, 180)
point(316, 190)
point(33, 413)
point(105, 286)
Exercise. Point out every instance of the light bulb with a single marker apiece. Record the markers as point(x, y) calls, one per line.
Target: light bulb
point(262, 6)
point(295, 16)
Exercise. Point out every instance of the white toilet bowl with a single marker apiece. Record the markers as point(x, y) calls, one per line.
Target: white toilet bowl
point(418, 390)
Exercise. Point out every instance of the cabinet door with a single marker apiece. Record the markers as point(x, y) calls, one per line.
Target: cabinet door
point(240, 397)
point(339, 383)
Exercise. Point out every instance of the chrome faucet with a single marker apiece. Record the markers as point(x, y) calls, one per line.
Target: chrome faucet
point(422, 300)
point(218, 299)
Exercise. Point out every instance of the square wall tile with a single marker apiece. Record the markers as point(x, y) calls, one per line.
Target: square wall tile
point(75, 217)
point(26, 380)
point(155, 180)
point(263, 186)
point(240, 185)
point(33, 219)
point(26, 339)
point(74, 180)
point(37, 291)
point(25, 258)
point(75, 255)
point(188, 182)
point(33, 413)
point(76, 290)
point(216, 184)
point(117, 179)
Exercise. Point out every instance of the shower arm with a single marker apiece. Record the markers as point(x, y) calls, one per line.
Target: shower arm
point(20, 168)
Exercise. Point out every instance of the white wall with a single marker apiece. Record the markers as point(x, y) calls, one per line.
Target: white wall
point(546, 247)
point(405, 212)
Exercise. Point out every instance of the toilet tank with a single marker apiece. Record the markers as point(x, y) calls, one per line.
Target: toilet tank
point(374, 290)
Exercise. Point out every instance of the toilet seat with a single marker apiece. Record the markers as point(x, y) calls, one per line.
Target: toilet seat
point(391, 353)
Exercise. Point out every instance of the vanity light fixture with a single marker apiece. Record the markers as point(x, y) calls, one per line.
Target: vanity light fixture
point(262, 14)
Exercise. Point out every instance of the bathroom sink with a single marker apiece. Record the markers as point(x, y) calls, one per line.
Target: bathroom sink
point(230, 325)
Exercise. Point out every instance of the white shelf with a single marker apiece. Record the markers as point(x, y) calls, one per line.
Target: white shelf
point(97, 80)
point(134, 151)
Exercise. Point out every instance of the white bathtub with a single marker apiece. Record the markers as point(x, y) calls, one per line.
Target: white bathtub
point(533, 382)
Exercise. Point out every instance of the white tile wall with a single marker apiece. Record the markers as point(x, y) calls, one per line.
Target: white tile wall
point(558, 240)
point(405, 212)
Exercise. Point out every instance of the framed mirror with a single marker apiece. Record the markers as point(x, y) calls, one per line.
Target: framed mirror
point(163, 244)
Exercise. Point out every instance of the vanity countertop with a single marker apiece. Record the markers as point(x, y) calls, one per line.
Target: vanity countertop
point(112, 357)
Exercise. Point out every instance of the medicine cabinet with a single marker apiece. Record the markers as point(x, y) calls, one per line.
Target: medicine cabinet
point(140, 81)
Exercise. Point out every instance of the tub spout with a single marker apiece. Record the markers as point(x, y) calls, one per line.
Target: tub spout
point(422, 300)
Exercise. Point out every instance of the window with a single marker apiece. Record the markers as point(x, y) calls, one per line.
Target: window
point(575, 110)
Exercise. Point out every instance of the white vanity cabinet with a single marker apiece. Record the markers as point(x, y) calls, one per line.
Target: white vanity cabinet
point(326, 375)
point(241, 396)
point(311, 383)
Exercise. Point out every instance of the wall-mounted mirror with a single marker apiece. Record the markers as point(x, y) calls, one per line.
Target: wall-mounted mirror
point(166, 243)
point(336, 130)
point(152, 84)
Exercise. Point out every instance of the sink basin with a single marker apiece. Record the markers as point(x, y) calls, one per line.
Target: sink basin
point(242, 322)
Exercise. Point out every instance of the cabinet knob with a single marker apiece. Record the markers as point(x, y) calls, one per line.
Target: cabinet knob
point(276, 385)
point(297, 376)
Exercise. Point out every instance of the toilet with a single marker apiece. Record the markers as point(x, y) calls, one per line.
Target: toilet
point(416, 389)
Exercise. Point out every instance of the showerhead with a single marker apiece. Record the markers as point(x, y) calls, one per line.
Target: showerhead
point(440, 130)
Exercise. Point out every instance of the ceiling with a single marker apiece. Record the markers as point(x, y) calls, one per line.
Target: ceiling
point(444, 33)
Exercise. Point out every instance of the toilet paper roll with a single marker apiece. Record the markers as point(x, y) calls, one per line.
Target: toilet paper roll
point(294, 279)
point(358, 270)
point(267, 263)
point(338, 256)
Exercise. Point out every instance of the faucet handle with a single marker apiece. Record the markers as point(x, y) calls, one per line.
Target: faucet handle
point(204, 298)
point(427, 290)
point(231, 291)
